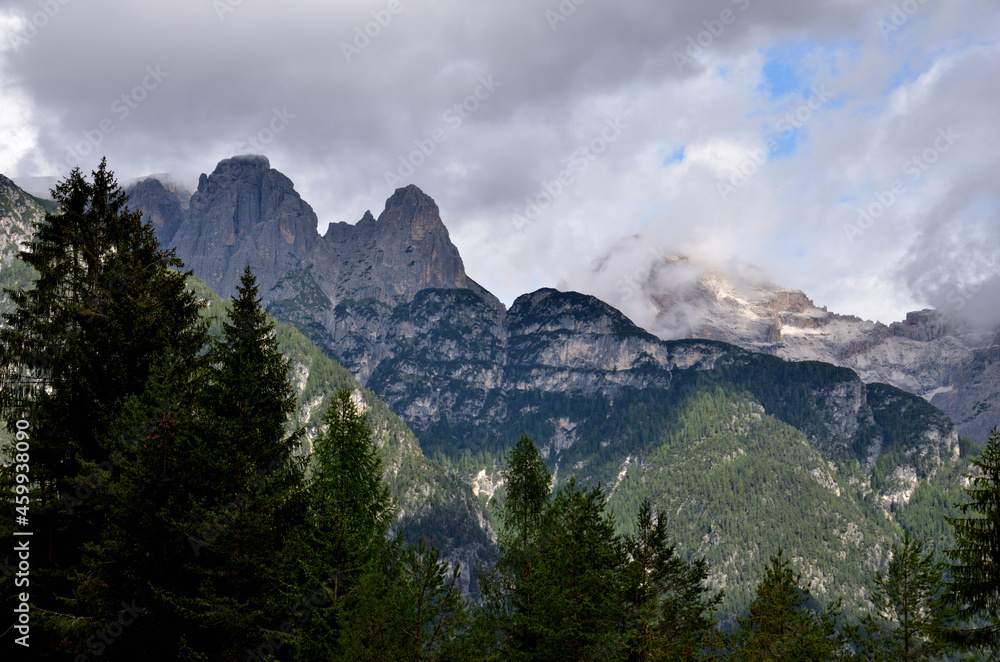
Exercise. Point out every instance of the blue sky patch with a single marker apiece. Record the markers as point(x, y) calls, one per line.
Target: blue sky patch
point(782, 72)
point(787, 143)
point(676, 156)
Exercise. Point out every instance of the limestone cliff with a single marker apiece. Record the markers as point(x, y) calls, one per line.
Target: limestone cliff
point(162, 204)
point(245, 212)
point(927, 354)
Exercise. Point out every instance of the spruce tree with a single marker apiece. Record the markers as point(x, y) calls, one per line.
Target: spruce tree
point(106, 307)
point(669, 611)
point(568, 605)
point(780, 627)
point(434, 611)
point(370, 620)
point(975, 567)
point(911, 613)
point(142, 554)
point(347, 485)
point(526, 482)
point(243, 502)
point(350, 512)
point(407, 607)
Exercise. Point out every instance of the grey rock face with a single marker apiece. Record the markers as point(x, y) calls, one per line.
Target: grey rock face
point(344, 285)
point(922, 326)
point(244, 213)
point(406, 250)
point(161, 205)
point(449, 354)
point(971, 394)
point(412, 247)
point(927, 354)
point(18, 213)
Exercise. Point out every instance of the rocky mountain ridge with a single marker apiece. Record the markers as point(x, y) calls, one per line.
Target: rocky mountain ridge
point(944, 360)
point(246, 212)
point(390, 300)
point(18, 211)
point(682, 422)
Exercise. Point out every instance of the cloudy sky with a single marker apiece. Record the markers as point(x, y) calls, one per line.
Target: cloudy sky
point(848, 148)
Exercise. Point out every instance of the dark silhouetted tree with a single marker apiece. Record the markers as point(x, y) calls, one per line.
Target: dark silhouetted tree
point(106, 308)
point(975, 567)
point(669, 610)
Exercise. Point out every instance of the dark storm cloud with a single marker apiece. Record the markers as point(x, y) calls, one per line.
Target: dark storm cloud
point(486, 105)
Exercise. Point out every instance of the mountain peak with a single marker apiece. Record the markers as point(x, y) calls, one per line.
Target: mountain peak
point(406, 249)
point(256, 161)
point(409, 195)
point(245, 212)
point(162, 206)
point(411, 212)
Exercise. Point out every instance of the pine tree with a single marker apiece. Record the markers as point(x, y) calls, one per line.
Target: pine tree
point(434, 614)
point(371, 620)
point(106, 307)
point(350, 513)
point(669, 611)
point(527, 481)
point(975, 568)
point(911, 613)
point(527, 484)
point(243, 502)
point(347, 485)
point(567, 605)
point(780, 627)
point(141, 555)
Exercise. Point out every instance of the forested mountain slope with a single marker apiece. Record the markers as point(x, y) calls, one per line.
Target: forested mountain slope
point(745, 452)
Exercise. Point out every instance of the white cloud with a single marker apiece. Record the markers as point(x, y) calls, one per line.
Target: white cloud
point(558, 89)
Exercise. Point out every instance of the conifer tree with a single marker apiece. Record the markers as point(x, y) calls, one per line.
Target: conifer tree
point(568, 606)
point(669, 611)
point(422, 615)
point(106, 307)
point(370, 624)
point(911, 614)
point(347, 483)
point(780, 627)
point(243, 498)
point(437, 613)
point(527, 482)
point(975, 567)
point(141, 555)
point(391, 601)
point(350, 512)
